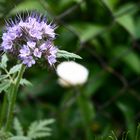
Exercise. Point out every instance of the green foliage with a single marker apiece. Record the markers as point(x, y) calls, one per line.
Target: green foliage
point(37, 129)
point(15, 69)
point(86, 31)
point(7, 76)
point(4, 61)
point(18, 128)
point(3, 135)
point(125, 135)
point(67, 55)
point(130, 26)
point(128, 114)
point(25, 82)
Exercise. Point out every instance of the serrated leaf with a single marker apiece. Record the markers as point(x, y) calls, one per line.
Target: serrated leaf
point(4, 85)
point(2, 77)
point(4, 135)
point(18, 128)
point(4, 61)
point(25, 82)
point(67, 55)
point(15, 69)
point(19, 138)
point(39, 129)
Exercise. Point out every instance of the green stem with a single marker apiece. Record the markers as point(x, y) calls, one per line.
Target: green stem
point(84, 108)
point(13, 96)
point(3, 111)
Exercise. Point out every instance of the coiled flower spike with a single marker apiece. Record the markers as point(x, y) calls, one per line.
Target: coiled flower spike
point(30, 39)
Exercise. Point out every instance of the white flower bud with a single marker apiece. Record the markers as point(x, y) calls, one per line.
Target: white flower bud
point(71, 74)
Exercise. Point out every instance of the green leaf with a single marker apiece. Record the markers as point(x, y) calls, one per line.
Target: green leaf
point(128, 114)
point(137, 28)
point(15, 69)
point(4, 135)
point(18, 128)
point(67, 55)
point(19, 138)
point(87, 31)
point(127, 9)
point(110, 4)
point(25, 82)
point(4, 61)
point(127, 22)
point(133, 60)
point(39, 129)
point(2, 77)
point(129, 57)
point(4, 85)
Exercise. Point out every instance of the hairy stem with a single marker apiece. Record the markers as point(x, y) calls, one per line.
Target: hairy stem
point(3, 111)
point(13, 96)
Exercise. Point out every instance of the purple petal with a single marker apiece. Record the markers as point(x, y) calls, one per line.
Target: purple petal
point(24, 51)
point(37, 53)
point(29, 61)
point(31, 44)
point(51, 59)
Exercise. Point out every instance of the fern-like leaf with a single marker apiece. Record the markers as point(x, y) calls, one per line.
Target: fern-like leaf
point(19, 138)
point(18, 128)
point(39, 129)
point(4, 135)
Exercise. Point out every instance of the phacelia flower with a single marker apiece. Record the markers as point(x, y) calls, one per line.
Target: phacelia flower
point(31, 39)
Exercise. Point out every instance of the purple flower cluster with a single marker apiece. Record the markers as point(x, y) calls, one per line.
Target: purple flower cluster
point(31, 38)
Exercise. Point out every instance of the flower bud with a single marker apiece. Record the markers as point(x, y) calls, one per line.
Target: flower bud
point(71, 74)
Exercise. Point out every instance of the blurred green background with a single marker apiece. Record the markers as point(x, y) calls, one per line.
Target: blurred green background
point(106, 34)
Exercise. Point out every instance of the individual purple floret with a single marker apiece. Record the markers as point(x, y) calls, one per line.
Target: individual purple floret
point(31, 38)
point(37, 53)
point(29, 61)
point(50, 54)
point(31, 44)
point(51, 59)
point(24, 51)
